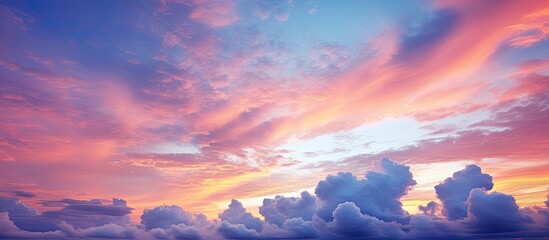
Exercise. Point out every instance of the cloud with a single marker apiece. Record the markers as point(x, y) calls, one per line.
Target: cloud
point(13, 19)
point(112, 231)
point(428, 227)
point(280, 209)
point(495, 138)
point(9, 230)
point(217, 13)
point(540, 215)
point(57, 108)
point(454, 191)
point(25, 217)
point(377, 195)
point(494, 212)
point(431, 208)
point(299, 228)
point(370, 208)
point(94, 207)
point(79, 213)
point(24, 194)
point(531, 30)
point(279, 10)
point(204, 66)
point(349, 222)
point(236, 214)
point(15, 207)
point(164, 217)
point(182, 231)
point(92, 213)
point(236, 231)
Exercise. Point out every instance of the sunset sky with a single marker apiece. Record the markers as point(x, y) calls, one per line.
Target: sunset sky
point(131, 105)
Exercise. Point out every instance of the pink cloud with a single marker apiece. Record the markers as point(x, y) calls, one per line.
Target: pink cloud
point(214, 13)
point(14, 19)
point(518, 139)
point(170, 39)
point(532, 29)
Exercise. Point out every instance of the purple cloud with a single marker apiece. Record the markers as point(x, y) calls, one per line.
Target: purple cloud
point(182, 231)
point(236, 231)
point(349, 222)
point(164, 217)
point(236, 214)
point(79, 213)
point(8, 229)
point(25, 217)
point(14, 207)
point(83, 214)
point(454, 191)
point(378, 194)
point(494, 212)
point(430, 209)
point(428, 227)
point(280, 209)
point(113, 231)
point(299, 228)
point(24, 194)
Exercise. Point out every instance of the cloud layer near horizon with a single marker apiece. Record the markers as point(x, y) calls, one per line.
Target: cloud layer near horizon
point(344, 206)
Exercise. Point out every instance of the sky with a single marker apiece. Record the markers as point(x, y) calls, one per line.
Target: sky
point(210, 119)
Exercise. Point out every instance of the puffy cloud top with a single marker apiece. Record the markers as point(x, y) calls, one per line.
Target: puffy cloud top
point(378, 194)
point(279, 209)
point(14, 207)
point(164, 216)
point(236, 214)
point(454, 191)
point(23, 216)
point(494, 212)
